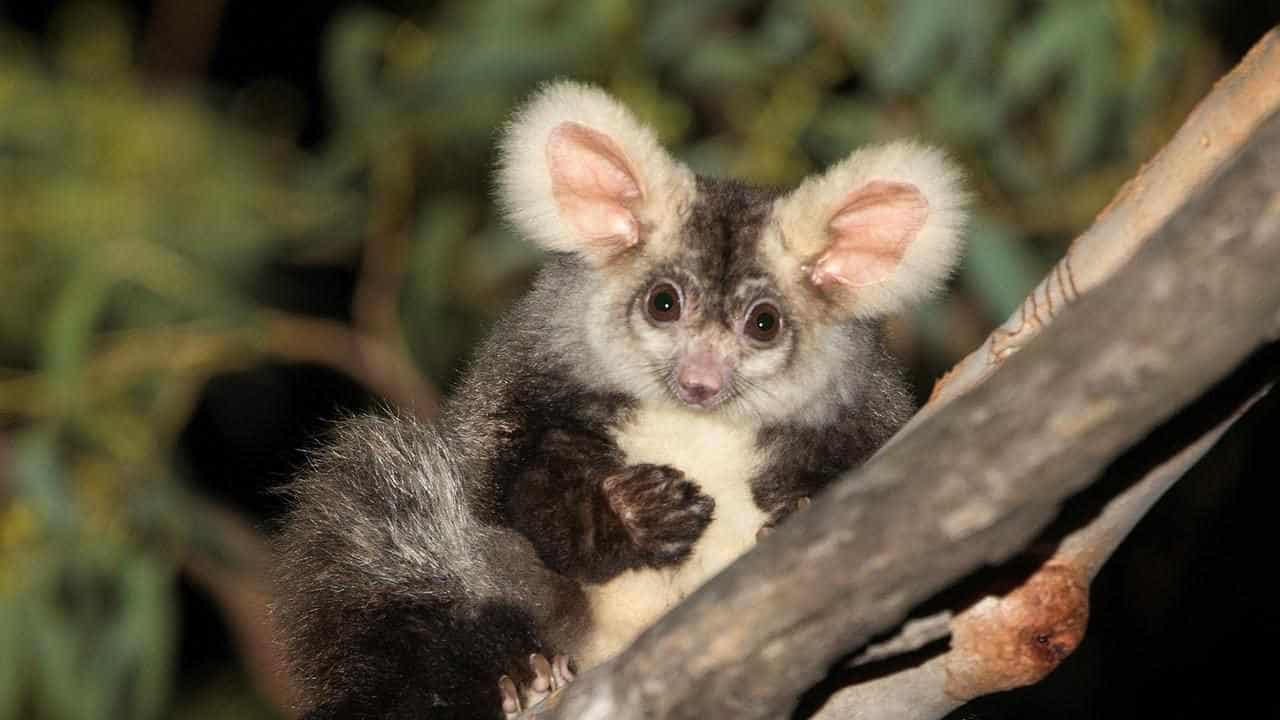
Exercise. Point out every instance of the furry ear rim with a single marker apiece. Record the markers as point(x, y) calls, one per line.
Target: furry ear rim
point(927, 187)
point(567, 111)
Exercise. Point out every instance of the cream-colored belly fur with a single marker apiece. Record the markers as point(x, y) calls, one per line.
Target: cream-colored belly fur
point(720, 455)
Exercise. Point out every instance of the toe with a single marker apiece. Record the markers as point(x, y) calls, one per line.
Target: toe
point(542, 680)
point(510, 697)
point(562, 670)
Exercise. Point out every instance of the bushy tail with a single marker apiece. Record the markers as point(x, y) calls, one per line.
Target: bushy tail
point(393, 598)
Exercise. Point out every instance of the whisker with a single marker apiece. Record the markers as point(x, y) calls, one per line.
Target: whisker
point(743, 387)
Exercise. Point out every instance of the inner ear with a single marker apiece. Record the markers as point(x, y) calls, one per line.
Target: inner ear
point(870, 232)
point(595, 188)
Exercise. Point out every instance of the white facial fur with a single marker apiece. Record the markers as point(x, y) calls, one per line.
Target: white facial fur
point(876, 232)
point(699, 338)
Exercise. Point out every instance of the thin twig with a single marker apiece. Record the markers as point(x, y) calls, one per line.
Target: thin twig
point(238, 584)
point(197, 351)
point(948, 680)
point(368, 359)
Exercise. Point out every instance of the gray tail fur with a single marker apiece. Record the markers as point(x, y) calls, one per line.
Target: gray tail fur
point(393, 598)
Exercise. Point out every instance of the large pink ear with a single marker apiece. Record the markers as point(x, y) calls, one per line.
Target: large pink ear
point(870, 233)
point(878, 231)
point(580, 174)
point(594, 188)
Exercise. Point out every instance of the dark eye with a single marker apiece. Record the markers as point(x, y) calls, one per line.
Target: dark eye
point(763, 322)
point(664, 303)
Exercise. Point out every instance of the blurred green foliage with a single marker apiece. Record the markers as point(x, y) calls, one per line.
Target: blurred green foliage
point(137, 228)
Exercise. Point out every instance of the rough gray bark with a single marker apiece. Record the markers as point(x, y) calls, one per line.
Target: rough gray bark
point(973, 483)
point(947, 680)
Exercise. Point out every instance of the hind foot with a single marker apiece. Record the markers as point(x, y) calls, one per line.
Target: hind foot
point(548, 678)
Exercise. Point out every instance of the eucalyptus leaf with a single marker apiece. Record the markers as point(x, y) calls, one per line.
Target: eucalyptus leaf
point(998, 266)
point(917, 41)
point(39, 471)
point(15, 653)
point(675, 28)
point(70, 333)
point(144, 642)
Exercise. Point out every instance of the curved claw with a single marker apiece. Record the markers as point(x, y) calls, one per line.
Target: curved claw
point(562, 671)
point(542, 680)
point(548, 678)
point(510, 697)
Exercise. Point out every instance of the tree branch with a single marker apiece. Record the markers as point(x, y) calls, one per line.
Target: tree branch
point(972, 668)
point(196, 352)
point(939, 503)
point(377, 363)
point(1213, 133)
point(236, 579)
